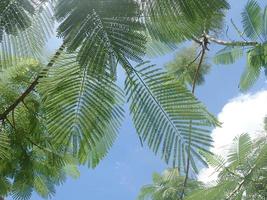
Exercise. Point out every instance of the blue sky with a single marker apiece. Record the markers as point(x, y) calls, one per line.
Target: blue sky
point(128, 166)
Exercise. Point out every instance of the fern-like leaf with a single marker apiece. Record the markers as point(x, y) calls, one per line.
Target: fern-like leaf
point(100, 30)
point(228, 55)
point(255, 60)
point(252, 20)
point(162, 110)
point(29, 42)
point(4, 145)
point(239, 151)
point(171, 22)
point(82, 109)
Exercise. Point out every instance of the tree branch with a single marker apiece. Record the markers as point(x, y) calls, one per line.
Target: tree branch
point(203, 51)
point(231, 43)
point(31, 87)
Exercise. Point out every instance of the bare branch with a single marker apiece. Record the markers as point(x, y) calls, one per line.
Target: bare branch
point(203, 51)
point(231, 43)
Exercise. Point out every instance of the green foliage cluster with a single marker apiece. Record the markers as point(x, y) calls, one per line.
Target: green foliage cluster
point(242, 175)
point(183, 67)
point(254, 21)
point(168, 186)
point(28, 161)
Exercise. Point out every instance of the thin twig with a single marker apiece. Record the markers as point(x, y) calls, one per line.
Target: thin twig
point(238, 31)
point(203, 51)
point(23, 102)
point(194, 59)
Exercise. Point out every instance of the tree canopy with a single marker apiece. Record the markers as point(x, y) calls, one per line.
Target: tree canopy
point(63, 111)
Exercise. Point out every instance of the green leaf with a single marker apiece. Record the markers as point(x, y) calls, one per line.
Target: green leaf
point(83, 110)
point(252, 20)
point(4, 145)
point(252, 72)
point(190, 9)
point(216, 161)
point(29, 42)
point(217, 192)
point(167, 186)
point(100, 30)
point(15, 15)
point(228, 55)
point(171, 22)
point(239, 151)
point(162, 111)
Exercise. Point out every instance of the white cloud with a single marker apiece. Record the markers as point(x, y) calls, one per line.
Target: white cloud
point(243, 114)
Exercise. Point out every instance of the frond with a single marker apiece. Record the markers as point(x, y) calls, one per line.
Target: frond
point(190, 9)
point(264, 25)
point(167, 186)
point(217, 192)
point(228, 55)
point(84, 111)
point(15, 16)
point(93, 156)
point(239, 151)
point(34, 163)
point(216, 161)
point(261, 160)
point(165, 113)
point(42, 187)
point(171, 22)
point(252, 20)
point(102, 30)
point(5, 185)
point(4, 145)
point(255, 60)
point(29, 42)
point(21, 190)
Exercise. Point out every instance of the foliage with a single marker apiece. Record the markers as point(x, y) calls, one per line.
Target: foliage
point(242, 175)
point(79, 103)
point(28, 160)
point(25, 28)
point(184, 66)
point(83, 110)
point(254, 23)
point(74, 115)
point(163, 113)
point(102, 29)
point(170, 22)
point(167, 186)
point(118, 37)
